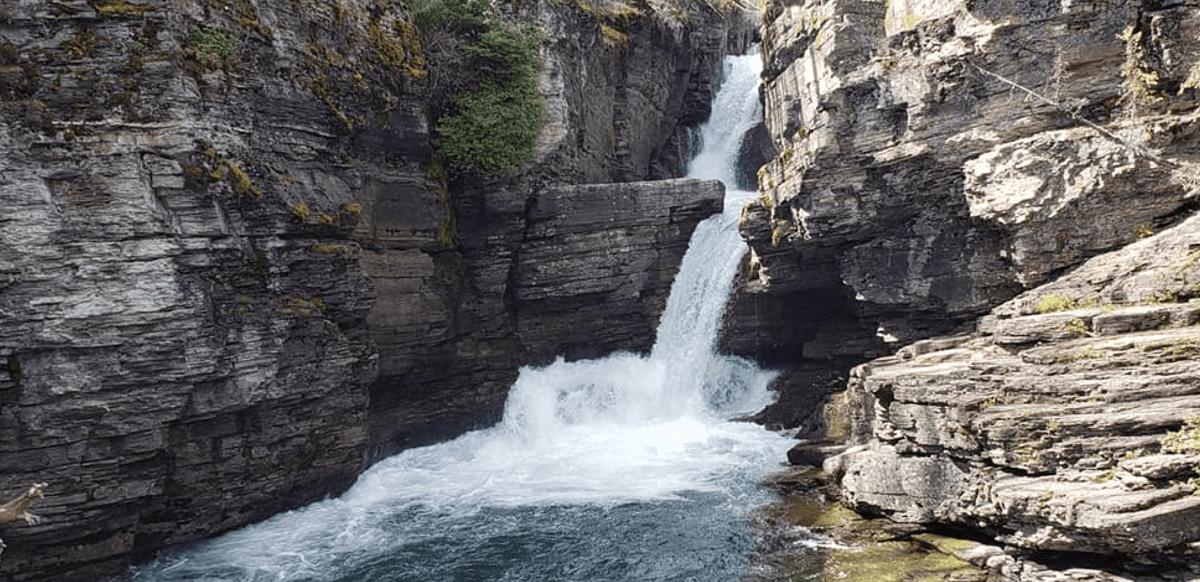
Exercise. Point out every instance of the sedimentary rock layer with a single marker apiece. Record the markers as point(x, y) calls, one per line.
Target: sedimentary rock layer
point(1067, 422)
point(230, 276)
point(938, 158)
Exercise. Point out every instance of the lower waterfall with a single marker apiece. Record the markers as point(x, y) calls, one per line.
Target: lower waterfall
point(623, 468)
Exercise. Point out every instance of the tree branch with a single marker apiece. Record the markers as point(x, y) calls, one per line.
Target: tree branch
point(1135, 149)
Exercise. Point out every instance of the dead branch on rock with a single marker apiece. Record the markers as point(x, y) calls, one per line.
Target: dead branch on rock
point(18, 508)
point(1133, 148)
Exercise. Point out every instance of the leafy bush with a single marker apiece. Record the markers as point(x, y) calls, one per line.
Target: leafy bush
point(497, 125)
point(213, 42)
point(496, 116)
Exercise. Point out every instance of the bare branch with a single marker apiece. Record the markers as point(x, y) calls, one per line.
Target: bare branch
point(1135, 149)
point(18, 508)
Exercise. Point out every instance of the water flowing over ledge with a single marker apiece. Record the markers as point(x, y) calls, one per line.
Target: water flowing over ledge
point(626, 467)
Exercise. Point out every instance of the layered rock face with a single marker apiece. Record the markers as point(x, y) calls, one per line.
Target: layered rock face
point(584, 271)
point(1068, 421)
point(624, 89)
point(938, 159)
point(229, 280)
point(919, 181)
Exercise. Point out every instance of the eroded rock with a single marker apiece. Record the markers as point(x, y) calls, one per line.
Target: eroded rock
point(1045, 439)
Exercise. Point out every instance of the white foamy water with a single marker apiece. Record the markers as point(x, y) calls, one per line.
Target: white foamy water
point(623, 468)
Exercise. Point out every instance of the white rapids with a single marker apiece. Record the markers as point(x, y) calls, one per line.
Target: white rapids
point(618, 446)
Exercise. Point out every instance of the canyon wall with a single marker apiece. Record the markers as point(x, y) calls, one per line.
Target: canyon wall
point(936, 159)
point(231, 276)
point(1004, 189)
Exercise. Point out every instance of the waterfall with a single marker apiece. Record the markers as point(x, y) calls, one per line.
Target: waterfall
point(621, 468)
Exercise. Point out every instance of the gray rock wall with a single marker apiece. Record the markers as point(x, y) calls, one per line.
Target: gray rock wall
point(918, 186)
point(229, 280)
point(1016, 182)
point(1050, 427)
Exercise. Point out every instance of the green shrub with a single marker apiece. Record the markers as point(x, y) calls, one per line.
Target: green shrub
point(496, 126)
point(213, 42)
point(431, 15)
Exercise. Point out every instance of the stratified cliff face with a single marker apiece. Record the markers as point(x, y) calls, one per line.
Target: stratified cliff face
point(938, 159)
point(229, 279)
point(919, 182)
point(624, 88)
point(1051, 427)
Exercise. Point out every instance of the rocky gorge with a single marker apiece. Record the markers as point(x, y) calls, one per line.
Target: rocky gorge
point(236, 268)
point(234, 272)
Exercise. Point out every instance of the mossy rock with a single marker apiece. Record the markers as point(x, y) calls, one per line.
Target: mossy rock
point(872, 550)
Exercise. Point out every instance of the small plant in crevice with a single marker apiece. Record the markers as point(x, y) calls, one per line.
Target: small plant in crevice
point(1139, 85)
point(1053, 303)
point(213, 45)
point(1076, 327)
point(1184, 440)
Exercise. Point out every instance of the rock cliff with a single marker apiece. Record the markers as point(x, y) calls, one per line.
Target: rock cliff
point(1069, 421)
point(937, 158)
point(1014, 181)
point(231, 276)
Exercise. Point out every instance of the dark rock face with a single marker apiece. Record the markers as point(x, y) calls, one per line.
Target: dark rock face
point(916, 188)
point(586, 274)
point(571, 303)
point(228, 281)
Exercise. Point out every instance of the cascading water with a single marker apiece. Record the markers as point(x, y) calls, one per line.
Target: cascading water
point(624, 468)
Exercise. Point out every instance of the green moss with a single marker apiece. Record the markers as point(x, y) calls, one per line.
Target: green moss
point(1184, 440)
point(401, 48)
point(322, 92)
point(895, 562)
point(301, 210)
point(242, 184)
point(613, 37)
point(780, 230)
point(84, 43)
point(296, 306)
point(1053, 303)
point(348, 251)
point(812, 512)
point(119, 8)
